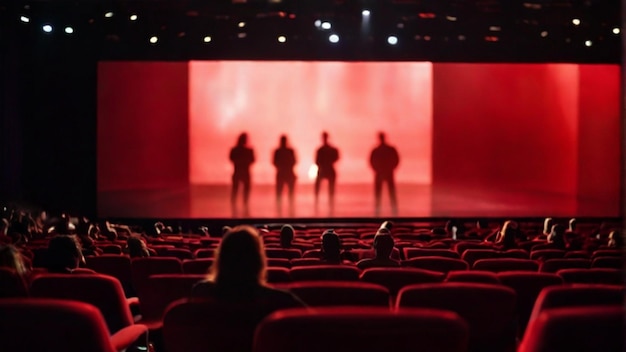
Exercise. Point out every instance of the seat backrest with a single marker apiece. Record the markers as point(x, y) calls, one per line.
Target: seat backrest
point(592, 276)
point(554, 265)
point(117, 266)
point(197, 266)
point(162, 290)
point(36, 324)
point(577, 295)
point(581, 329)
point(608, 262)
point(287, 253)
point(461, 247)
point(607, 253)
point(305, 262)
point(103, 291)
point(429, 252)
point(277, 275)
point(489, 310)
point(111, 248)
point(142, 268)
point(440, 264)
point(325, 272)
point(204, 253)
point(180, 253)
point(476, 276)
point(340, 293)
point(497, 265)
point(363, 329)
point(577, 254)
point(396, 278)
point(527, 286)
point(545, 254)
point(472, 255)
point(281, 262)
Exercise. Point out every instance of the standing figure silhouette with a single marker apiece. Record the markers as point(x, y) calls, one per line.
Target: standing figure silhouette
point(384, 160)
point(284, 161)
point(325, 159)
point(242, 158)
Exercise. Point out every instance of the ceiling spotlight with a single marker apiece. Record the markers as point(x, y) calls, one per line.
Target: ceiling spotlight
point(24, 19)
point(282, 39)
point(154, 39)
point(451, 18)
point(392, 40)
point(495, 28)
point(588, 43)
point(326, 25)
point(207, 39)
point(47, 28)
point(318, 23)
point(544, 34)
point(108, 14)
point(616, 30)
point(133, 17)
point(365, 12)
point(241, 35)
point(576, 21)
point(69, 30)
point(241, 24)
point(333, 38)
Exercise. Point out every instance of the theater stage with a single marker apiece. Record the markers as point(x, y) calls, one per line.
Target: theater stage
point(351, 201)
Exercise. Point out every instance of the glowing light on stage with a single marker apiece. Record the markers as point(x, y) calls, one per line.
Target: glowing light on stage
point(69, 30)
point(47, 28)
point(333, 38)
point(154, 39)
point(392, 40)
point(26, 19)
point(133, 17)
point(326, 25)
point(312, 172)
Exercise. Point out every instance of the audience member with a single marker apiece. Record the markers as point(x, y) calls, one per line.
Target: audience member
point(11, 258)
point(557, 237)
point(64, 254)
point(383, 246)
point(616, 240)
point(506, 238)
point(287, 233)
point(331, 247)
point(136, 247)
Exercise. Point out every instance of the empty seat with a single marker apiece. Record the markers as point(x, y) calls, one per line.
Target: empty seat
point(489, 310)
point(577, 295)
point(197, 266)
point(463, 246)
point(277, 275)
point(592, 276)
point(103, 291)
point(338, 293)
point(117, 266)
point(527, 286)
point(607, 253)
point(440, 264)
point(554, 265)
point(396, 278)
point(472, 255)
point(305, 261)
point(581, 329)
point(279, 262)
point(497, 265)
point(577, 254)
point(180, 253)
point(545, 254)
point(62, 326)
point(325, 272)
point(204, 253)
point(161, 290)
point(287, 253)
point(430, 252)
point(608, 262)
point(142, 268)
point(476, 276)
point(361, 329)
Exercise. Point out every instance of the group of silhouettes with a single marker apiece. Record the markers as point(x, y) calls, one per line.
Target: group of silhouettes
point(384, 160)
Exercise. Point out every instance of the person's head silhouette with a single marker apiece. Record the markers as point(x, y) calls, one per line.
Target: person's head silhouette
point(381, 137)
point(240, 259)
point(325, 137)
point(331, 246)
point(286, 235)
point(383, 244)
point(283, 141)
point(242, 140)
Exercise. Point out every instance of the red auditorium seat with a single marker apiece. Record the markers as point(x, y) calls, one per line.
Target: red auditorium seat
point(607, 253)
point(62, 326)
point(12, 284)
point(592, 276)
point(279, 262)
point(104, 292)
point(461, 247)
point(277, 275)
point(430, 252)
point(608, 262)
point(110, 248)
point(205, 253)
point(361, 329)
point(180, 253)
point(396, 278)
point(370, 253)
point(338, 293)
point(472, 255)
point(312, 253)
point(197, 266)
point(161, 290)
point(580, 329)
point(325, 272)
point(440, 264)
point(577, 295)
point(206, 325)
point(117, 266)
point(554, 265)
point(161, 248)
point(545, 254)
point(527, 286)
point(475, 276)
point(497, 265)
point(142, 268)
point(577, 254)
point(489, 310)
point(289, 253)
point(305, 262)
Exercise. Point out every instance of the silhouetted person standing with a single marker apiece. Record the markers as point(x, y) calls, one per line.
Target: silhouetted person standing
point(242, 157)
point(384, 160)
point(325, 159)
point(284, 161)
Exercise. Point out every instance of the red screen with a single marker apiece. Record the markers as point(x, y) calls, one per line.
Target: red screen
point(473, 139)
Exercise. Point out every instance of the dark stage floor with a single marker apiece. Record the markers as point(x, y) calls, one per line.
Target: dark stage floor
point(351, 201)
